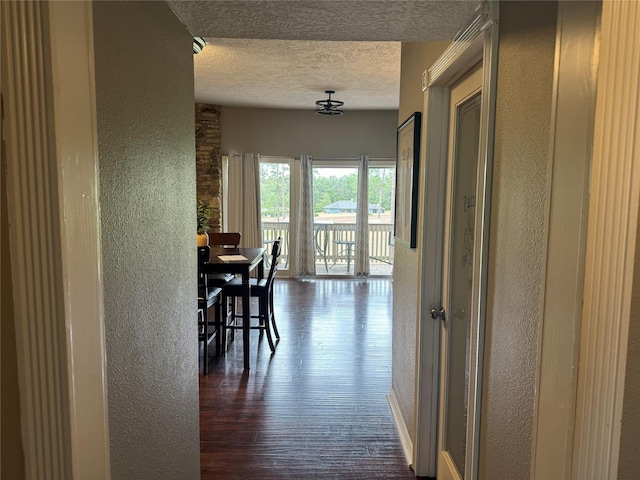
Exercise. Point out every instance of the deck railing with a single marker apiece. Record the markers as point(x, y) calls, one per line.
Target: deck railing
point(335, 242)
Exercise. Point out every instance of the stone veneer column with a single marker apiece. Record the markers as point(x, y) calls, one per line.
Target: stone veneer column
point(209, 161)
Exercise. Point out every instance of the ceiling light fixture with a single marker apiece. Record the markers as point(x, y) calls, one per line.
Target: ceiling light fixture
point(329, 106)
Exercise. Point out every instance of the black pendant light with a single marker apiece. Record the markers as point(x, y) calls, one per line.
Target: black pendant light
point(329, 106)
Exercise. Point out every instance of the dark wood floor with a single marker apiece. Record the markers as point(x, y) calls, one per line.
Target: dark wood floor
point(316, 408)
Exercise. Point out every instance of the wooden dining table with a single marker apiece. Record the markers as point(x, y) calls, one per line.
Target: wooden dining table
point(221, 261)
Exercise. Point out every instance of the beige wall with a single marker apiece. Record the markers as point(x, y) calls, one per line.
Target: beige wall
point(146, 141)
point(416, 57)
point(523, 114)
point(291, 133)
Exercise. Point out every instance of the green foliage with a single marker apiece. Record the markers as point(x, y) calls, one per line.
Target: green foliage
point(381, 187)
point(203, 214)
point(327, 190)
point(275, 190)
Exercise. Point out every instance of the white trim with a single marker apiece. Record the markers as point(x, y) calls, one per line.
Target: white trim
point(430, 265)
point(465, 50)
point(224, 173)
point(483, 222)
point(401, 428)
point(611, 241)
point(34, 233)
point(71, 40)
point(567, 194)
point(478, 42)
point(55, 237)
point(275, 159)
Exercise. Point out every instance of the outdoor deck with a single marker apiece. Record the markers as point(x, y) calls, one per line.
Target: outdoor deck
point(340, 269)
point(335, 244)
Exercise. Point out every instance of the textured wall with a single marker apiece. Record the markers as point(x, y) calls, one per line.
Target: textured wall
point(629, 463)
point(145, 113)
point(403, 347)
point(209, 161)
point(416, 57)
point(523, 113)
point(291, 133)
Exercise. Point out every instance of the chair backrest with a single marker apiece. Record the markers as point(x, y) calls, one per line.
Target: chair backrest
point(203, 257)
point(275, 260)
point(225, 239)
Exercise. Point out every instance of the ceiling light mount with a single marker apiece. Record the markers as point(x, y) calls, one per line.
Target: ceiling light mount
point(329, 106)
point(198, 44)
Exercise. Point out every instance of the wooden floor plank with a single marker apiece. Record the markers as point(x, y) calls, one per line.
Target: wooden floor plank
point(317, 407)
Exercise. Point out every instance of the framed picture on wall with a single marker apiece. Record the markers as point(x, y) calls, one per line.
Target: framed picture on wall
point(407, 167)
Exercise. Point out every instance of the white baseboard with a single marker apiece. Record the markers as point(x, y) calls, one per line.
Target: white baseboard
point(401, 428)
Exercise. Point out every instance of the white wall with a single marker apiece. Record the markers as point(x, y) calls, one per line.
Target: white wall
point(294, 132)
point(145, 117)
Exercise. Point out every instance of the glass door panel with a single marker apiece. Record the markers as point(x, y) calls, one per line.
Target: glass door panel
point(460, 281)
point(381, 219)
point(334, 205)
point(275, 195)
point(458, 372)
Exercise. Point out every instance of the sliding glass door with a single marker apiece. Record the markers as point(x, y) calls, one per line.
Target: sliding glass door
point(335, 185)
point(382, 180)
point(275, 208)
point(334, 207)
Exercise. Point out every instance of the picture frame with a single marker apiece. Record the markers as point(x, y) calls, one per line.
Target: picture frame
point(407, 173)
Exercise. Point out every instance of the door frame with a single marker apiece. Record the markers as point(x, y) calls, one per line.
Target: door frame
point(478, 42)
point(52, 165)
point(569, 170)
point(465, 89)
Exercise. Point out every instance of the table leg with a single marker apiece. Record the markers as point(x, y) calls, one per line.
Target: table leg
point(246, 318)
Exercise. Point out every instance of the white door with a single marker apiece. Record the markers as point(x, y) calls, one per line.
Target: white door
point(459, 372)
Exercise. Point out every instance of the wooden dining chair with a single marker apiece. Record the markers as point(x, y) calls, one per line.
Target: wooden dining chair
point(222, 239)
point(225, 239)
point(263, 290)
point(208, 297)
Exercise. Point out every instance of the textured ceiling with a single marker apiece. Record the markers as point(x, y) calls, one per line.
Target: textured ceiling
point(294, 74)
point(286, 53)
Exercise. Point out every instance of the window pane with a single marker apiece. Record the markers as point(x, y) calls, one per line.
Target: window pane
point(381, 196)
point(275, 189)
point(335, 200)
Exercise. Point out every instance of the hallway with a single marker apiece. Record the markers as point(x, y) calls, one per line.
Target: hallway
point(318, 407)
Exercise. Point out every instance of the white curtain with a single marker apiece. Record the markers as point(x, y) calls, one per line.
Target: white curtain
point(361, 268)
point(306, 252)
point(244, 199)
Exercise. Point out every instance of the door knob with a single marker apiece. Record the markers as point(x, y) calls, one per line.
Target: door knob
point(435, 314)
